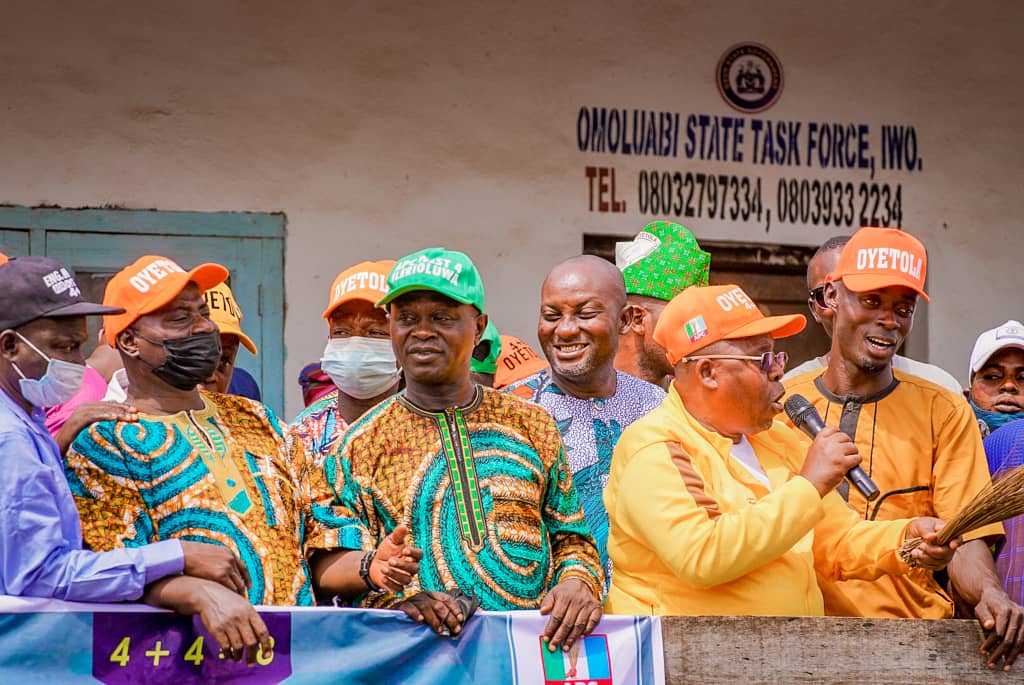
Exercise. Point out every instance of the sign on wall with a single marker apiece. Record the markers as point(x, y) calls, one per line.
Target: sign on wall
point(740, 165)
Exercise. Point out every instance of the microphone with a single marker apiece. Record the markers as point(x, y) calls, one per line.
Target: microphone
point(805, 417)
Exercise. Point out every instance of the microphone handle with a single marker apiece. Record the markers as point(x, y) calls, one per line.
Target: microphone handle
point(859, 478)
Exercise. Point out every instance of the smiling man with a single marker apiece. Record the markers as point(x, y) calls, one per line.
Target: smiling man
point(715, 507)
point(920, 442)
point(997, 376)
point(583, 312)
point(819, 267)
point(478, 478)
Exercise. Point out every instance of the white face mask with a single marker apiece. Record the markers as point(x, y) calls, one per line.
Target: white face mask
point(58, 385)
point(360, 367)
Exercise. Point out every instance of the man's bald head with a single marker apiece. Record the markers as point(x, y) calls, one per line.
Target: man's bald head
point(595, 272)
point(583, 312)
point(824, 260)
point(821, 265)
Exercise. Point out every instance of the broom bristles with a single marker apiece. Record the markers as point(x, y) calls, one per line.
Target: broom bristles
point(998, 501)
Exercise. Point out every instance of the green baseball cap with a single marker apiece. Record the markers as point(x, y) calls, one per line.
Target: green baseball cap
point(448, 272)
point(662, 260)
point(488, 364)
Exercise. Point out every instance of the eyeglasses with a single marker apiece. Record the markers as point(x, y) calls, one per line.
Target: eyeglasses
point(817, 295)
point(767, 360)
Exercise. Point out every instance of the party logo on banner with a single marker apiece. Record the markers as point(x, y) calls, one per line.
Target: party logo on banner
point(625, 650)
point(586, 663)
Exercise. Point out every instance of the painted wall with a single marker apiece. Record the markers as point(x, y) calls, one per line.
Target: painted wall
point(379, 129)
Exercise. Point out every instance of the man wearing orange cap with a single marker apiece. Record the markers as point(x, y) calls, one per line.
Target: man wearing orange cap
point(42, 330)
point(819, 267)
point(358, 358)
point(712, 505)
point(920, 443)
point(227, 315)
point(195, 463)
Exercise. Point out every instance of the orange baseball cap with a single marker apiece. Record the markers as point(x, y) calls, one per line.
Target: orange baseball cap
point(699, 316)
point(149, 283)
point(516, 361)
point(226, 313)
point(364, 281)
point(881, 257)
point(3, 259)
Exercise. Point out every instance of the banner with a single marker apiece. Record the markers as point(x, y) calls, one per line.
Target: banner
point(51, 641)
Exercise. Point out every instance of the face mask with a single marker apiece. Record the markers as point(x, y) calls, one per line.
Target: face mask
point(994, 419)
point(360, 367)
point(189, 360)
point(58, 385)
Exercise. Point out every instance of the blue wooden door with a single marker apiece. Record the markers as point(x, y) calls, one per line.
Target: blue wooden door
point(13, 242)
point(96, 244)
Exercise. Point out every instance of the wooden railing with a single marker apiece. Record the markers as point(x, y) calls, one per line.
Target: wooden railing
point(743, 650)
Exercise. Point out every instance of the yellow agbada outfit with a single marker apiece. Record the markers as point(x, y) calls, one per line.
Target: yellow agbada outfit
point(693, 532)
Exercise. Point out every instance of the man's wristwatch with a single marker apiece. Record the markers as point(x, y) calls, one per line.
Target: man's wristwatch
point(364, 571)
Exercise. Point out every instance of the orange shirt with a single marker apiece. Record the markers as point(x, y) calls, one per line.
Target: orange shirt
point(921, 445)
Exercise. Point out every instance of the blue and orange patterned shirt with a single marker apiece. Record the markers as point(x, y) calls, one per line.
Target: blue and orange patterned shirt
point(484, 489)
point(220, 474)
point(590, 428)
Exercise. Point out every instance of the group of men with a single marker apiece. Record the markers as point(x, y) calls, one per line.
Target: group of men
point(449, 467)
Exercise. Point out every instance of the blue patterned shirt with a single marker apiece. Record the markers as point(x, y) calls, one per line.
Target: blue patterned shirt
point(590, 428)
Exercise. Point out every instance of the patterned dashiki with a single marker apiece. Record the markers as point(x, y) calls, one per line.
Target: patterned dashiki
point(590, 428)
point(484, 489)
point(318, 427)
point(220, 474)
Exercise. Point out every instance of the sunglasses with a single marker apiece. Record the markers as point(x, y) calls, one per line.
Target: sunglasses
point(817, 296)
point(766, 360)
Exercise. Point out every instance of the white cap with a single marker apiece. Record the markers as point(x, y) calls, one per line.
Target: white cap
point(629, 253)
point(1009, 334)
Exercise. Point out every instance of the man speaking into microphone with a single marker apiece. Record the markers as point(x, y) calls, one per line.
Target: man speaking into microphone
point(717, 508)
point(919, 442)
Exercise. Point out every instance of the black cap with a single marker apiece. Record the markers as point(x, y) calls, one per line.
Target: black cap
point(36, 287)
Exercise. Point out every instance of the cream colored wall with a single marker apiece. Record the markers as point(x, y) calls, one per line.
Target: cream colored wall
point(380, 129)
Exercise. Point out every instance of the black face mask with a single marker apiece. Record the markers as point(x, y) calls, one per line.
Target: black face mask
point(190, 360)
